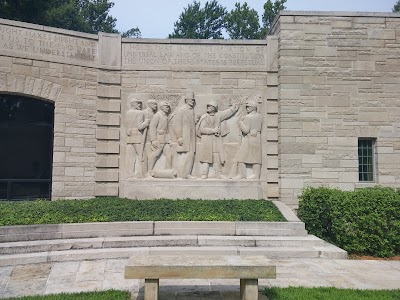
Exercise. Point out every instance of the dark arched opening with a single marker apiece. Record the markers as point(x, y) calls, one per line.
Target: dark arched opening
point(26, 147)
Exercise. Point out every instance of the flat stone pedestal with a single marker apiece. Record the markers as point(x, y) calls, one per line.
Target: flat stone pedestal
point(207, 189)
point(154, 267)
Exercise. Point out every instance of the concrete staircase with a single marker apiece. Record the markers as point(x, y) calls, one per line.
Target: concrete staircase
point(70, 242)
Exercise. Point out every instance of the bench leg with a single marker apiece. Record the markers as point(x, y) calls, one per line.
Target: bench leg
point(249, 289)
point(151, 289)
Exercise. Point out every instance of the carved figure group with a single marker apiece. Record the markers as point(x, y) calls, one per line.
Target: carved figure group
point(181, 136)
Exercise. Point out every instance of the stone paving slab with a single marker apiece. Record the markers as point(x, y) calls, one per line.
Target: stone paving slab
point(105, 274)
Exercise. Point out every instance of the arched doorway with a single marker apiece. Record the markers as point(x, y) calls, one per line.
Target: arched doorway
point(26, 147)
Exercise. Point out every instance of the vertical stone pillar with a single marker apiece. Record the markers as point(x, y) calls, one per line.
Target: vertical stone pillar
point(108, 115)
point(272, 118)
point(249, 289)
point(151, 287)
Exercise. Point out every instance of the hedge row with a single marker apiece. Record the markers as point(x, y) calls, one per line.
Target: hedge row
point(365, 221)
point(120, 209)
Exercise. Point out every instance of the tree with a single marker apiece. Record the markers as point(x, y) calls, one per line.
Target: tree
point(243, 23)
point(200, 23)
point(89, 16)
point(24, 10)
point(271, 10)
point(132, 33)
point(396, 7)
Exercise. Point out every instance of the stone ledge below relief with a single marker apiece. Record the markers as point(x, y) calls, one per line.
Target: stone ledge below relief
point(209, 189)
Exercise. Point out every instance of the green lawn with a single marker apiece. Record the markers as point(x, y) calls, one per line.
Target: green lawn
point(291, 293)
point(300, 293)
point(119, 209)
point(105, 295)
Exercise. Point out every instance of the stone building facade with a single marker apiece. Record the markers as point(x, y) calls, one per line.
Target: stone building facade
point(323, 83)
point(339, 81)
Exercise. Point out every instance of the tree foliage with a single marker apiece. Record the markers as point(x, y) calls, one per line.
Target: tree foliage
point(200, 23)
point(89, 16)
point(132, 33)
point(396, 7)
point(82, 15)
point(271, 10)
point(243, 23)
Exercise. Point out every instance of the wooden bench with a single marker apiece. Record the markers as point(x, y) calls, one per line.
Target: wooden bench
point(248, 269)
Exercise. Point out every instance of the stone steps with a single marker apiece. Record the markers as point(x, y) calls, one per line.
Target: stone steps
point(124, 247)
point(149, 228)
point(120, 253)
point(157, 241)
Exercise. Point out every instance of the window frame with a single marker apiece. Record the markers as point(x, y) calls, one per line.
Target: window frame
point(364, 176)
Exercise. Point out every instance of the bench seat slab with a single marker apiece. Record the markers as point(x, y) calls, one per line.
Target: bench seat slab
point(199, 267)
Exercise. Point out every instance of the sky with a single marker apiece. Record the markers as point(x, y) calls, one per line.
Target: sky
point(156, 18)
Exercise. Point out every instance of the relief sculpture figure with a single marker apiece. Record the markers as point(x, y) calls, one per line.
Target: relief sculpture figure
point(160, 140)
point(136, 124)
point(250, 147)
point(211, 148)
point(148, 114)
point(184, 126)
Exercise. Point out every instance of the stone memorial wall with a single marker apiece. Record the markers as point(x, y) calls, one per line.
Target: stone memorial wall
point(147, 118)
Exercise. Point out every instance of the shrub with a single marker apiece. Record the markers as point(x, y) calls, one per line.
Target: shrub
point(119, 210)
point(365, 221)
point(316, 210)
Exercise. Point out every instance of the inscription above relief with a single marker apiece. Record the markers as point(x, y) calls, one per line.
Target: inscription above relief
point(49, 45)
point(231, 56)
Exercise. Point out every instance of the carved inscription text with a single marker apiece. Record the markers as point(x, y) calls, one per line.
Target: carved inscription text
point(35, 42)
point(193, 55)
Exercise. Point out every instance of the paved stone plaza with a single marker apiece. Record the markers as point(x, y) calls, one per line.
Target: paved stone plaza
point(82, 276)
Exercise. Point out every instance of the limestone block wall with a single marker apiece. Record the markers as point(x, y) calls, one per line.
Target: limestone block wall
point(58, 66)
point(339, 80)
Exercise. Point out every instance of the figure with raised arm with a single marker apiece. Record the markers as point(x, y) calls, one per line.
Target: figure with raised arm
point(209, 129)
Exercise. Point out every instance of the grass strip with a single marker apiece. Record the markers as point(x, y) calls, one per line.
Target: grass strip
point(328, 293)
point(291, 293)
point(103, 295)
point(120, 209)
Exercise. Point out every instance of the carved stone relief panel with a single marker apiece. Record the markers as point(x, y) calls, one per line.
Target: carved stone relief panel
point(176, 136)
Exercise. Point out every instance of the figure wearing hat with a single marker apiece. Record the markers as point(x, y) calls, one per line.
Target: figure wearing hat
point(135, 123)
point(148, 114)
point(184, 127)
point(250, 148)
point(159, 138)
point(209, 129)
